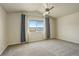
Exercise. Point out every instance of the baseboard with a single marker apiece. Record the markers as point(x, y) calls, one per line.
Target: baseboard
point(69, 41)
point(3, 50)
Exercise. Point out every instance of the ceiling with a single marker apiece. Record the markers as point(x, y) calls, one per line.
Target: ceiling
point(60, 9)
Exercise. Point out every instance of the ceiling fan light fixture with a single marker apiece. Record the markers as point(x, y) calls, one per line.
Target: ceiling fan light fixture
point(46, 13)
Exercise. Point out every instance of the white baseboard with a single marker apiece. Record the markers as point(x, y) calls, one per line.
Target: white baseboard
point(3, 50)
point(70, 41)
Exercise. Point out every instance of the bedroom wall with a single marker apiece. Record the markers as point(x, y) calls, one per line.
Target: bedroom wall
point(14, 27)
point(3, 30)
point(68, 28)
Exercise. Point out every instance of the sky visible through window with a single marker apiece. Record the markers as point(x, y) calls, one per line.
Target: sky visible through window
point(36, 24)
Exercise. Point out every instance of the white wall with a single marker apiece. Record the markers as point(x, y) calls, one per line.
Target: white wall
point(3, 30)
point(14, 26)
point(68, 28)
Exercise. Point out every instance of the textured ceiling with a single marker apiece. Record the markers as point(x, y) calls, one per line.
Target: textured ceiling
point(60, 9)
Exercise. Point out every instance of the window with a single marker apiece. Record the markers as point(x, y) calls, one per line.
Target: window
point(36, 25)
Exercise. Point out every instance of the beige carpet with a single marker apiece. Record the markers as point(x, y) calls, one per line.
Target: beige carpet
point(43, 48)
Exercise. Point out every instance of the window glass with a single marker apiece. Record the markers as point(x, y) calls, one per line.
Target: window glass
point(40, 25)
point(32, 23)
point(36, 25)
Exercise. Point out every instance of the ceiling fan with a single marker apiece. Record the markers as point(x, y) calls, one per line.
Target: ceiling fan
point(47, 9)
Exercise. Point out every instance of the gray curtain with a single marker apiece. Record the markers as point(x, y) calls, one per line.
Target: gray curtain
point(23, 39)
point(47, 22)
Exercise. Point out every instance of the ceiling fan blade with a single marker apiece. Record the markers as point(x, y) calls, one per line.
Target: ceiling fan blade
point(51, 7)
